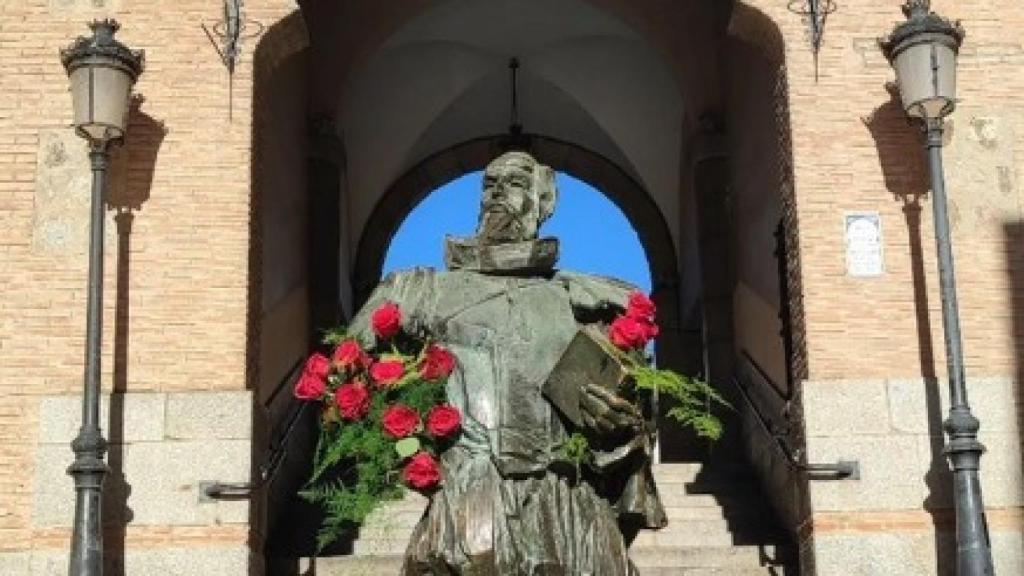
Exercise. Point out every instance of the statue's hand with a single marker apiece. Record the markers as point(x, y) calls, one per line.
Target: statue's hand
point(607, 413)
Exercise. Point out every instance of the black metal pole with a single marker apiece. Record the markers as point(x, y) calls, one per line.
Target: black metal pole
point(974, 553)
point(89, 468)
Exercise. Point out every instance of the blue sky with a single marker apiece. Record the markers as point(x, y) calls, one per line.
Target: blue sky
point(595, 235)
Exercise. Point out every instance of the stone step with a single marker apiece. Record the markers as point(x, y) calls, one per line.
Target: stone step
point(677, 471)
point(712, 524)
point(380, 547)
point(694, 473)
point(678, 504)
point(376, 565)
point(398, 523)
point(396, 528)
point(674, 571)
point(408, 516)
point(703, 572)
point(731, 499)
point(394, 518)
point(697, 533)
point(737, 499)
point(745, 514)
point(731, 557)
point(741, 561)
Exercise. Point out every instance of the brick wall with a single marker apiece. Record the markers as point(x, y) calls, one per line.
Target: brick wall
point(854, 151)
point(874, 346)
point(176, 286)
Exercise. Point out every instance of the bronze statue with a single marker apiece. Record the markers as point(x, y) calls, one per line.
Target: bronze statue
point(508, 503)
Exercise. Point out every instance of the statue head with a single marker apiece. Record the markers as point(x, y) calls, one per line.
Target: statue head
point(518, 195)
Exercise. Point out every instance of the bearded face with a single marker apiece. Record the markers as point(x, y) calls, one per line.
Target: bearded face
point(511, 205)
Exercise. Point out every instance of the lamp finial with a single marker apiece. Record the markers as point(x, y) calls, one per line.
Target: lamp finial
point(917, 8)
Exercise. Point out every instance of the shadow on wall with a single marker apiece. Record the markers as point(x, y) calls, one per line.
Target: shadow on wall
point(769, 325)
point(1014, 238)
point(902, 159)
point(279, 260)
point(132, 168)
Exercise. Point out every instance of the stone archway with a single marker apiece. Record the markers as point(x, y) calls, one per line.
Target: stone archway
point(404, 96)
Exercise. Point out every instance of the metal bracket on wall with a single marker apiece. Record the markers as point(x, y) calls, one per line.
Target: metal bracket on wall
point(816, 13)
point(211, 490)
point(795, 458)
point(275, 455)
point(230, 32)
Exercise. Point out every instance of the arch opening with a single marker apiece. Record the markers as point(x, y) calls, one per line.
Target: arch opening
point(595, 236)
point(594, 170)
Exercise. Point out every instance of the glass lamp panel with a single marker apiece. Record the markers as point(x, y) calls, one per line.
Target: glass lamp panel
point(945, 59)
point(81, 97)
point(101, 95)
point(927, 85)
point(111, 89)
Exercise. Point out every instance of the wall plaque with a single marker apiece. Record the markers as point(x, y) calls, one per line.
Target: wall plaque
point(864, 244)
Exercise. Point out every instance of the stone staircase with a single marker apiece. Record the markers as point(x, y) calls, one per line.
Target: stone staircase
point(717, 527)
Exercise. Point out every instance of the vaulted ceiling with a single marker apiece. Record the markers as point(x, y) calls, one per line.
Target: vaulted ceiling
point(405, 79)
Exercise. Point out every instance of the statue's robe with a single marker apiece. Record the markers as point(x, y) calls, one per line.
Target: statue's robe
point(503, 508)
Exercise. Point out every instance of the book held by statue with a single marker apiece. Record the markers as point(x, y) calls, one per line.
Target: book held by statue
point(588, 359)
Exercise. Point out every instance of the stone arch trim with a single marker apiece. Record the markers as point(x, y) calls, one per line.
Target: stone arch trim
point(282, 39)
point(750, 25)
point(439, 169)
point(282, 44)
point(755, 28)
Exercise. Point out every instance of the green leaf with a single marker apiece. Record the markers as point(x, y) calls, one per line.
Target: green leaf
point(693, 398)
point(576, 449)
point(335, 335)
point(406, 447)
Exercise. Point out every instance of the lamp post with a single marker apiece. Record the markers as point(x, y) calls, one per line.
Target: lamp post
point(102, 72)
point(923, 52)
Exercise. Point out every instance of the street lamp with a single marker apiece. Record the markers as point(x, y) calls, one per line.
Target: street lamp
point(102, 72)
point(923, 52)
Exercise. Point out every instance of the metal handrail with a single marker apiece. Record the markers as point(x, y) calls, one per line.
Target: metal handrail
point(275, 454)
point(795, 458)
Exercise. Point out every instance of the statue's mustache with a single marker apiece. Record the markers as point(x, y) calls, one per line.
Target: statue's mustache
point(498, 205)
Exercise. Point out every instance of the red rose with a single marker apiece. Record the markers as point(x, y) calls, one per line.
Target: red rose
point(438, 363)
point(641, 307)
point(386, 320)
point(422, 471)
point(348, 354)
point(399, 421)
point(317, 366)
point(443, 421)
point(652, 330)
point(309, 387)
point(387, 372)
point(353, 400)
point(626, 332)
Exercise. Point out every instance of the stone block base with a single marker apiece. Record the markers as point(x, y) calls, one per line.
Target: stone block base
point(894, 553)
point(162, 447)
point(166, 561)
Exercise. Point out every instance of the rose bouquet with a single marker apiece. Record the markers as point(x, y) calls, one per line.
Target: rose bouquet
point(617, 361)
point(630, 333)
point(384, 420)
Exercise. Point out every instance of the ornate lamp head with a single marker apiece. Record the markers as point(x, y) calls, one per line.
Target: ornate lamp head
point(923, 51)
point(102, 72)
